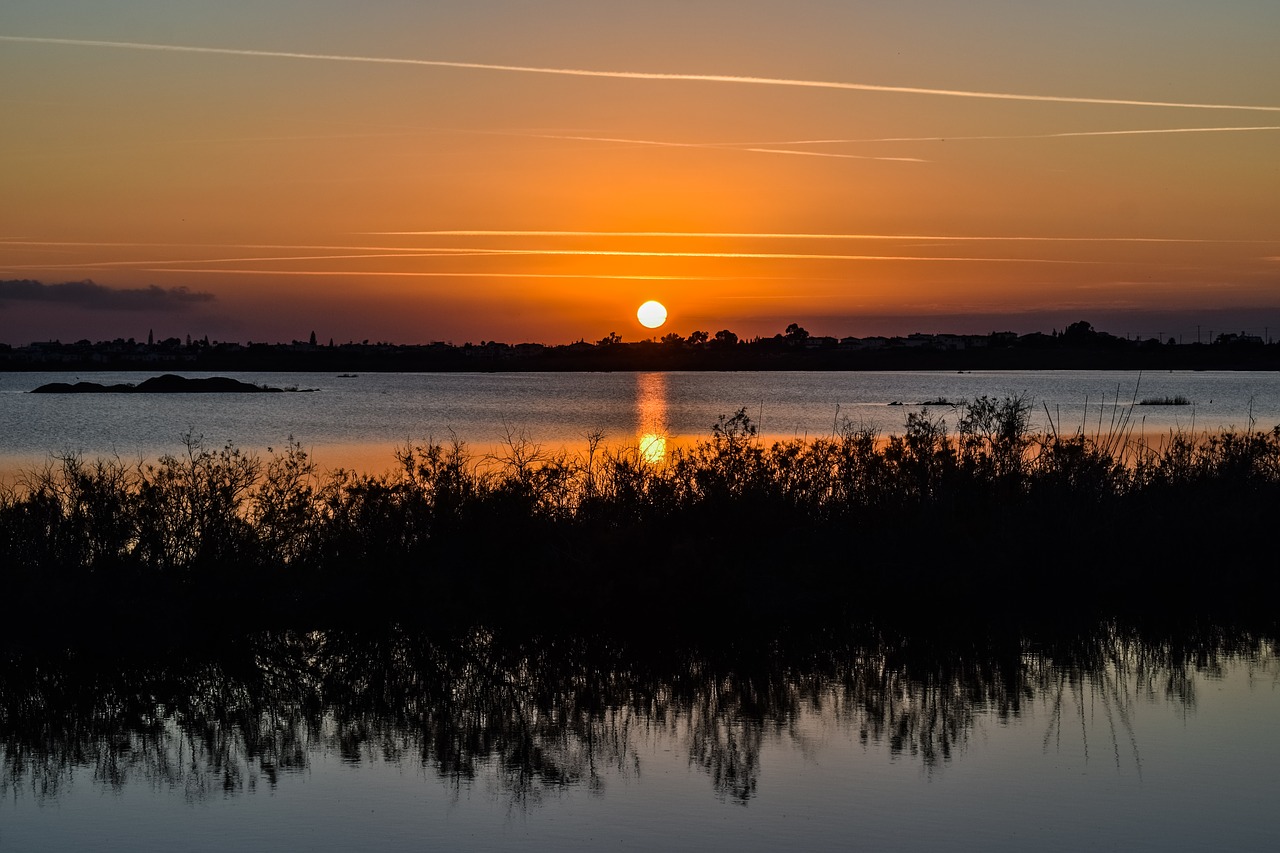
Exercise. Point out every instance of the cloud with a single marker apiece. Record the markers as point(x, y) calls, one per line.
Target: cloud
point(633, 75)
point(88, 294)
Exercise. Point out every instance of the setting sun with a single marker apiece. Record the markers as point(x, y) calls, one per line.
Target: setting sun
point(558, 168)
point(652, 314)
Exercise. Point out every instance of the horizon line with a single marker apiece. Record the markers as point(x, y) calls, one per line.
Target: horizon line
point(1130, 336)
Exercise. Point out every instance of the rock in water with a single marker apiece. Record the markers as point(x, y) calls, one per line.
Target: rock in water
point(166, 384)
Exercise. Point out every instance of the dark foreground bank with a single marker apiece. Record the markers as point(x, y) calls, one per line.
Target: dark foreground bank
point(981, 522)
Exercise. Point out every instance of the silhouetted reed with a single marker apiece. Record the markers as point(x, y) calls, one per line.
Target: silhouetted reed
point(991, 519)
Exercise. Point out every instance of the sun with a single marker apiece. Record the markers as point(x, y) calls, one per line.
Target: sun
point(652, 314)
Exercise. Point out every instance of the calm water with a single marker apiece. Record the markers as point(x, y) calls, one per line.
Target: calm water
point(357, 422)
point(333, 742)
point(330, 741)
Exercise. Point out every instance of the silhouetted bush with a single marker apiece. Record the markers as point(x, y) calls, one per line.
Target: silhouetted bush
point(990, 519)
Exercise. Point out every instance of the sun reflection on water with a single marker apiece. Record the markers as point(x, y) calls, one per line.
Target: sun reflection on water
point(653, 448)
point(651, 417)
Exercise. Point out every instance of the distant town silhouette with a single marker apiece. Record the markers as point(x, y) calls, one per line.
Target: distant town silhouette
point(1078, 346)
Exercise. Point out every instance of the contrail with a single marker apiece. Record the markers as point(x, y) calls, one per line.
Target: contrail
point(730, 235)
point(786, 296)
point(450, 252)
point(373, 252)
point(272, 246)
point(608, 253)
point(1150, 130)
point(633, 75)
point(576, 253)
point(745, 146)
point(716, 147)
point(771, 147)
point(786, 256)
point(419, 274)
point(827, 154)
point(409, 253)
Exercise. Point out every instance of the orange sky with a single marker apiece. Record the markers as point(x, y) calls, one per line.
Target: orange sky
point(533, 172)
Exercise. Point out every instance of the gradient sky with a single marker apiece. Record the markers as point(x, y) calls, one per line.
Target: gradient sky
point(521, 171)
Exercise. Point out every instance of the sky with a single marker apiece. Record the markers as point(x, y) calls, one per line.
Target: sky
point(409, 171)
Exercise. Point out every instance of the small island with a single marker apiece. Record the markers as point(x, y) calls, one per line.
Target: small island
point(166, 384)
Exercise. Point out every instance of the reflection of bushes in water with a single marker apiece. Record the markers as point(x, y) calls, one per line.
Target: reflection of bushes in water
point(539, 716)
point(200, 728)
point(730, 527)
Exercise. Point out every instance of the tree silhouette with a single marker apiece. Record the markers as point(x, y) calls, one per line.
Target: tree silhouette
point(726, 338)
point(797, 334)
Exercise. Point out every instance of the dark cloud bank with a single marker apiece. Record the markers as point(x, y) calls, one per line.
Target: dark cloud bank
point(89, 294)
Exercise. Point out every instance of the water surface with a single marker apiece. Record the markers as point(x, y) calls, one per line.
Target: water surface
point(333, 741)
point(359, 421)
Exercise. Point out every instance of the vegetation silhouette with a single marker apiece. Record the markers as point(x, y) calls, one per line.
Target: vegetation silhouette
point(1077, 347)
point(167, 384)
point(529, 715)
point(990, 521)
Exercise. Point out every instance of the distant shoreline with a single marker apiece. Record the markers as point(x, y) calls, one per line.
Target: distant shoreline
point(1078, 347)
point(644, 356)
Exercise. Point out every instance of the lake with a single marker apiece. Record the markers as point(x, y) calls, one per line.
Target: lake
point(359, 421)
point(1107, 738)
point(826, 737)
